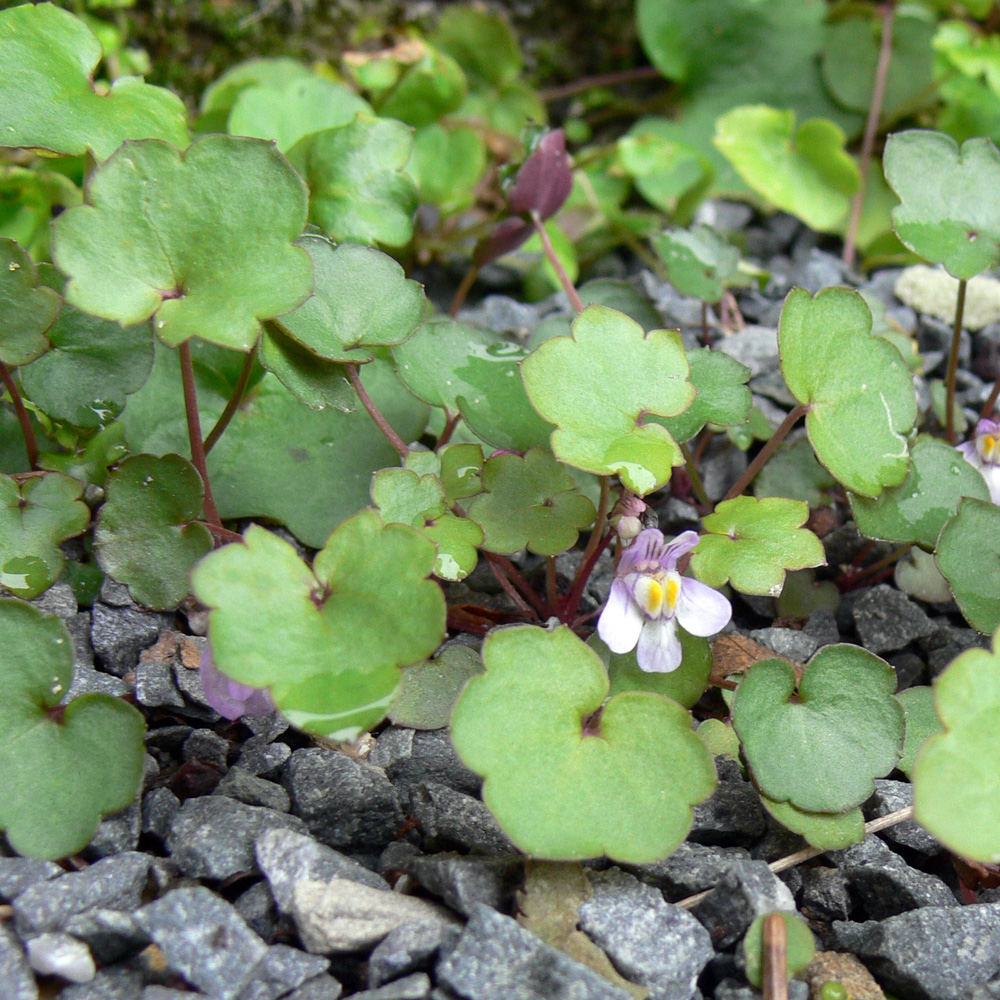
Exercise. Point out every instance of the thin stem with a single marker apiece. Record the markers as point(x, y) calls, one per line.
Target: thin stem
point(696, 484)
point(450, 424)
point(194, 431)
point(514, 574)
point(766, 451)
point(463, 289)
point(373, 411)
point(888, 11)
point(774, 980)
point(991, 400)
point(580, 580)
point(30, 441)
point(605, 80)
point(223, 534)
point(876, 567)
point(956, 339)
point(234, 401)
point(508, 587)
point(574, 297)
point(551, 590)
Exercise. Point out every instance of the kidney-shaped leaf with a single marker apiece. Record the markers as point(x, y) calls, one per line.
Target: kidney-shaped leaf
point(34, 518)
point(597, 385)
point(822, 750)
point(956, 778)
point(948, 214)
point(751, 543)
point(856, 385)
point(921, 723)
point(47, 94)
point(800, 946)
point(699, 261)
point(830, 831)
point(328, 641)
point(63, 767)
point(968, 555)
point(146, 535)
point(189, 238)
point(621, 784)
point(27, 310)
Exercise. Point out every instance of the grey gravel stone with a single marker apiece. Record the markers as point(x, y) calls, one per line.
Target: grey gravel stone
point(257, 908)
point(411, 756)
point(116, 833)
point(207, 746)
point(285, 857)
point(18, 874)
point(246, 787)
point(280, 970)
point(213, 836)
point(114, 883)
point(691, 868)
point(793, 643)
point(734, 989)
point(204, 940)
point(190, 685)
point(268, 727)
point(87, 680)
point(155, 687)
point(159, 807)
point(58, 600)
point(111, 935)
point(935, 953)
point(15, 973)
point(748, 890)
point(947, 642)
point(408, 948)
point(462, 881)
point(650, 942)
point(754, 346)
point(886, 619)
point(59, 954)
point(733, 814)
point(117, 983)
point(415, 987)
point(120, 634)
point(344, 803)
point(825, 895)
point(889, 797)
point(263, 757)
point(450, 820)
point(323, 987)
point(497, 959)
point(168, 993)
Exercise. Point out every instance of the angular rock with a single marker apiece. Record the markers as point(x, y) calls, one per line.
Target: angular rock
point(415, 987)
point(890, 797)
point(344, 916)
point(886, 619)
point(120, 634)
point(450, 820)
point(62, 955)
point(748, 890)
point(411, 756)
point(344, 803)
point(734, 989)
point(213, 836)
point(462, 881)
point(117, 983)
point(248, 788)
point(935, 953)
point(256, 907)
point(825, 895)
point(168, 993)
point(319, 988)
point(408, 948)
point(116, 833)
point(691, 868)
point(159, 807)
point(110, 935)
point(115, 883)
point(263, 757)
point(155, 687)
point(280, 970)
point(948, 642)
point(733, 814)
point(286, 857)
point(497, 959)
point(204, 940)
point(15, 972)
point(649, 941)
point(794, 643)
point(18, 874)
point(87, 680)
point(207, 746)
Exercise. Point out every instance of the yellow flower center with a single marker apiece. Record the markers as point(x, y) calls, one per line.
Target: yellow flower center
point(657, 594)
point(989, 448)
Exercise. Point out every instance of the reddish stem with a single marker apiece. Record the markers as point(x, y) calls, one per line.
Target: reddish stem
point(605, 80)
point(766, 451)
point(449, 428)
point(508, 587)
point(991, 400)
point(513, 573)
point(234, 401)
point(194, 432)
point(956, 340)
point(463, 289)
point(572, 603)
point(373, 411)
point(574, 297)
point(30, 441)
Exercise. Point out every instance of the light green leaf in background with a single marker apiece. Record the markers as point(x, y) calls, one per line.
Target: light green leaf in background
point(700, 263)
point(793, 472)
point(830, 831)
point(429, 690)
point(921, 723)
point(27, 310)
point(968, 555)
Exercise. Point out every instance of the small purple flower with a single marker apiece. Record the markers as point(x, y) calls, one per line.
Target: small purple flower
point(230, 698)
point(649, 598)
point(983, 452)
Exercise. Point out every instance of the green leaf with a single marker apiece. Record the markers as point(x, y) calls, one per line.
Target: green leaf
point(146, 534)
point(956, 778)
point(358, 191)
point(802, 595)
point(28, 201)
point(597, 385)
point(316, 382)
point(857, 387)
point(429, 690)
point(63, 767)
point(822, 750)
point(803, 170)
point(431, 87)
point(921, 723)
point(219, 97)
point(481, 42)
point(793, 472)
point(93, 366)
point(47, 62)
point(361, 299)
point(461, 466)
point(685, 685)
point(943, 216)
point(720, 738)
point(916, 510)
point(34, 518)
point(446, 166)
point(829, 831)
point(751, 543)
point(457, 540)
point(666, 171)
point(188, 238)
point(700, 263)
point(406, 498)
point(530, 501)
point(851, 53)
point(288, 110)
point(621, 785)
point(90, 462)
point(476, 373)
point(968, 555)
point(27, 310)
point(722, 397)
point(799, 948)
point(329, 641)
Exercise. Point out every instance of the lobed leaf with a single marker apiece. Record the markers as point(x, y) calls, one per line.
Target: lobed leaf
point(968, 555)
point(27, 310)
point(829, 831)
point(921, 723)
point(700, 263)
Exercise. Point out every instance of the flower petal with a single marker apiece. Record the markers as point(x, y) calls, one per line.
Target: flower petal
point(620, 621)
point(701, 610)
point(970, 454)
point(230, 698)
point(647, 547)
point(659, 648)
point(680, 546)
point(991, 473)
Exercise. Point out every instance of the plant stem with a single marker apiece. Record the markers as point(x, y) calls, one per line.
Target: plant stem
point(30, 441)
point(766, 451)
point(373, 411)
point(986, 412)
point(888, 12)
point(223, 534)
point(605, 80)
point(550, 252)
point(774, 980)
point(551, 591)
point(234, 401)
point(508, 587)
point(463, 289)
point(851, 579)
point(956, 339)
point(451, 422)
point(580, 580)
point(696, 484)
point(194, 432)
point(515, 574)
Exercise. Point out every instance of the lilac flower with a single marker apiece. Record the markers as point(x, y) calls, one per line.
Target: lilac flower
point(983, 452)
point(649, 598)
point(230, 698)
